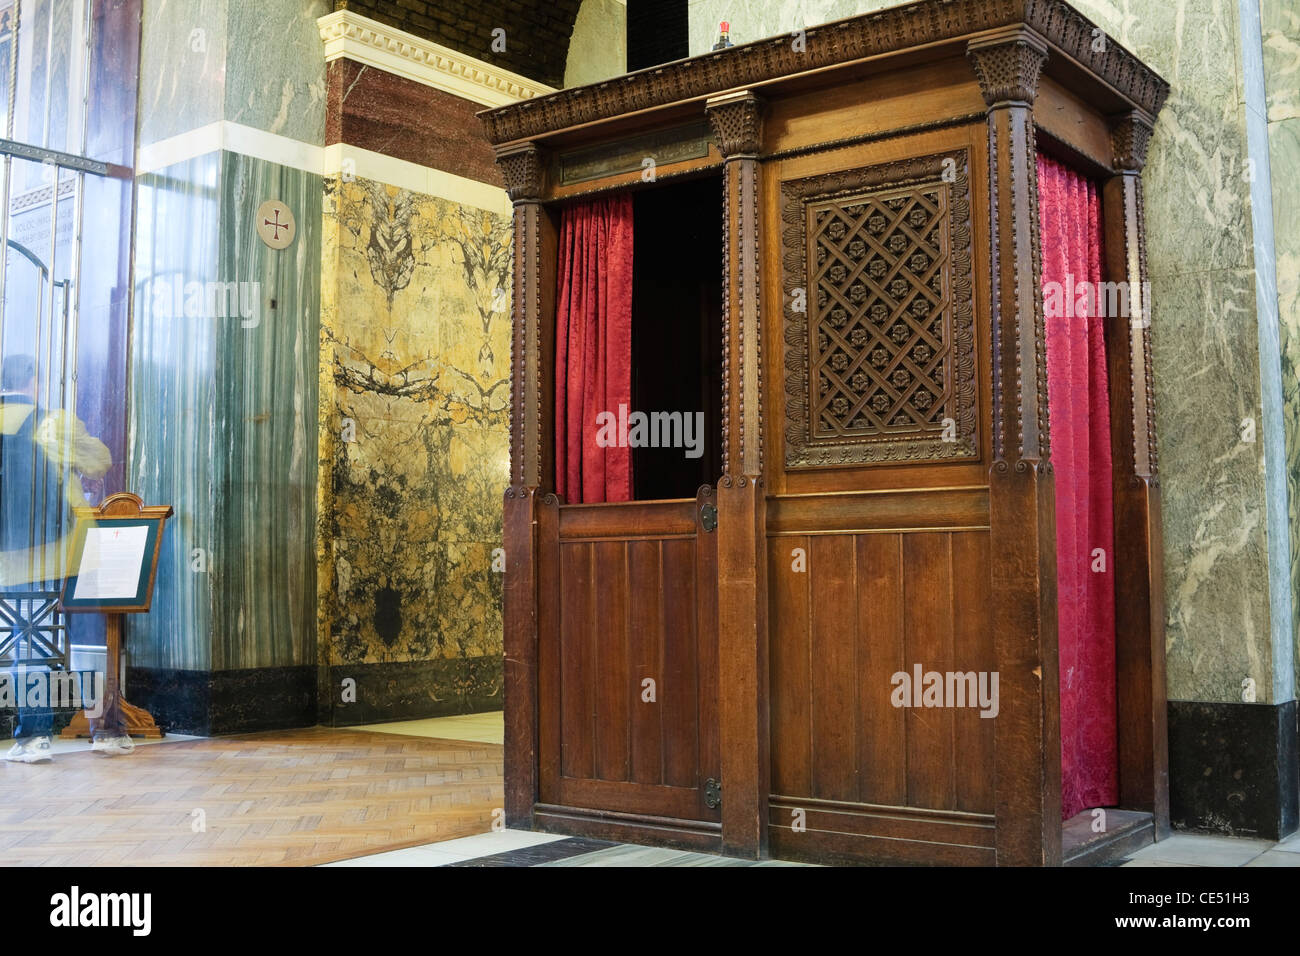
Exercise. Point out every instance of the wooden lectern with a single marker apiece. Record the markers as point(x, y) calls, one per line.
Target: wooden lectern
point(113, 564)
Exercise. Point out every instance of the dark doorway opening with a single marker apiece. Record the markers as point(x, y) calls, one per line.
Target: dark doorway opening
point(677, 335)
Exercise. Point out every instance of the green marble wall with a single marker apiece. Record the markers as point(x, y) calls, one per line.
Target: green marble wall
point(223, 406)
point(266, 439)
point(1228, 590)
point(173, 401)
point(275, 74)
point(414, 394)
point(259, 65)
point(182, 64)
point(223, 401)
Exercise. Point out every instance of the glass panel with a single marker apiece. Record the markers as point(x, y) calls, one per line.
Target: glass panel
point(100, 341)
point(49, 107)
point(65, 378)
point(115, 63)
point(36, 369)
point(7, 14)
point(97, 356)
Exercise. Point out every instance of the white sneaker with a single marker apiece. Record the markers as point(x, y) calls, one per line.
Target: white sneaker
point(113, 746)
point(35, 750)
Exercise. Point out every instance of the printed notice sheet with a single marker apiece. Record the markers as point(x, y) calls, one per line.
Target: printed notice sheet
point(111, 563)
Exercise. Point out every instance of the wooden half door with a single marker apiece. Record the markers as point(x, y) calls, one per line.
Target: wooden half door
point(627, 657)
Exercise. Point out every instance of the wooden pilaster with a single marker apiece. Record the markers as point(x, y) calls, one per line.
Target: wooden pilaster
point(1022, 519)
point(532, 467)
point(1139, 585)
point(742, 568)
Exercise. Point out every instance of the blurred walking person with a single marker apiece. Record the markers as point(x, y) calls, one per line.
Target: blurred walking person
point(43, 456)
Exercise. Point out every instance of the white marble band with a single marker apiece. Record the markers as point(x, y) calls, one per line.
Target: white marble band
point(337, 160)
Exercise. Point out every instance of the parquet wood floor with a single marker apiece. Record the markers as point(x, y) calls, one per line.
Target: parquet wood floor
point(282, 798)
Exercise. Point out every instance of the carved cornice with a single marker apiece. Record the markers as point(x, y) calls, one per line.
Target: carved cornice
point(737, 121)
point(362, 40)
point(1008, 65)
point(873, 34)
point(523, 169)
point(1078, 37)
point(1130, 134)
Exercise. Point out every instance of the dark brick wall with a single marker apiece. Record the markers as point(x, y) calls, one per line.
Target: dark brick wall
point(656, 32)
point(537, 31)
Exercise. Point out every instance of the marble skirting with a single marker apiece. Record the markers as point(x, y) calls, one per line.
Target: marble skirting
point(1233, 768)
point(212, 703)
point(411, 690)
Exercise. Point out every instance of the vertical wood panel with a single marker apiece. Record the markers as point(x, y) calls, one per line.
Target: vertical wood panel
point(872, 605)
point(927, 602)
point(706, 599)
point(882, 734)
point(833, 668)
point(577, 626)
point(548, 636)
point(523, 668)
point(678, 691)
point(611, 712)
point(645, 659)
point(973, 651)
point(791, 683)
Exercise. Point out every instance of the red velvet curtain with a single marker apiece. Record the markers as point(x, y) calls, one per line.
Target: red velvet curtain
point(1079, 410)
point(593, 348)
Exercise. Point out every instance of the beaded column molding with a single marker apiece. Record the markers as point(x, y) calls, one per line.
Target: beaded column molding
point(1022, 519)
point(737, 127)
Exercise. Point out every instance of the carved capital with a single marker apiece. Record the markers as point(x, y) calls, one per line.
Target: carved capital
point(1007, 65)
point(522, 168)
point(1130, 134)
point(737, 120)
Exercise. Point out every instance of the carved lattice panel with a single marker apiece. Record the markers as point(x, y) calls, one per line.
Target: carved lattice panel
point(880, 364)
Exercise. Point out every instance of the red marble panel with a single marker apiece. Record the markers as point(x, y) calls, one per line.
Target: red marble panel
point(379, 111)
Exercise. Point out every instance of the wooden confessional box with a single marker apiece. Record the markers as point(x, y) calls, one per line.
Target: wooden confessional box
point(884, 490)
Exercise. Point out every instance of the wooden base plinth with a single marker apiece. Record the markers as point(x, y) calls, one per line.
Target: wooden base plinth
point(139, 723)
